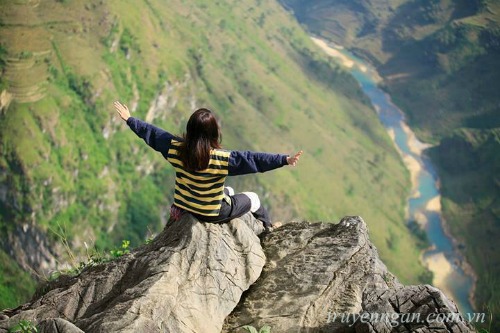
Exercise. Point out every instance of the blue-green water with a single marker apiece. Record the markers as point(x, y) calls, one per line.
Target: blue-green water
point(458, 284)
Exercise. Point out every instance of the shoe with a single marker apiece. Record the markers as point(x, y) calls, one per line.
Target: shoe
point(274, 226)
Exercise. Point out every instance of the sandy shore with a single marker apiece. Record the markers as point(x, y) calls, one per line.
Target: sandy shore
point(415, 168)
point(434, 205)
point(392, 135)
point(333, 52)
point(345, 61)
point(442, 268)
point(416, 146)
point(412, 164)
point(421, 219)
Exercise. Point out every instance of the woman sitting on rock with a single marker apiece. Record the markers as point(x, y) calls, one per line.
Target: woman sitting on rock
point(201, 168)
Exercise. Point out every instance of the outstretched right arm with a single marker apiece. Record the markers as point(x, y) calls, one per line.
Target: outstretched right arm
point(245, 162)
point(155, 137)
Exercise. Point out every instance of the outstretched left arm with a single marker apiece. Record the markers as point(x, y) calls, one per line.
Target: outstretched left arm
point(155, 137)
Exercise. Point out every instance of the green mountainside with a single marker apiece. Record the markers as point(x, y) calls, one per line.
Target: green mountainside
point(440, 61)
point(71, 168)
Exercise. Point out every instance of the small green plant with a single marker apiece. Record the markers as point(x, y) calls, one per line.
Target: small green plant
point(118, 252)
point(94, 257)
point(151, 236)
point(263, 329)
point(62, 235)
point(93, 260)
point(24, 326)
point(54, 275)
point(25, 55)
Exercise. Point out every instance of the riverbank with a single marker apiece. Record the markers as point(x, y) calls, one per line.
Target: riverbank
point(463, 264)
point(346, 62)
point(437, 262)
point(441, 267)
point(411, 164)
point(343, 59)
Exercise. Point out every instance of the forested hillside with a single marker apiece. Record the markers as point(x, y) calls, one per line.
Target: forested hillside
point(440, 61)
point(73, 177)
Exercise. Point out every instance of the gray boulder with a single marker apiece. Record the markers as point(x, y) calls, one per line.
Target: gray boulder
point(410, 309)
point(318, 275)
point(187, 280)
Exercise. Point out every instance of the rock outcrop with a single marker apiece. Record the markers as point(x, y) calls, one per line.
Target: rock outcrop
point(188, 279)
point(200, 277)
point(328, 278)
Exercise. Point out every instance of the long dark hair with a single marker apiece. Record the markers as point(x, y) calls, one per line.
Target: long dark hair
point(202, 135)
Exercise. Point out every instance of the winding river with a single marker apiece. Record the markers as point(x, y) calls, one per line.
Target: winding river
point(424, 204)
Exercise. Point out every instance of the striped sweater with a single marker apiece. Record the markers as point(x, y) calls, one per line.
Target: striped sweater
point(201, 192)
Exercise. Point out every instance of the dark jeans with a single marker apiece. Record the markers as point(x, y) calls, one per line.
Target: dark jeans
point(240, 204)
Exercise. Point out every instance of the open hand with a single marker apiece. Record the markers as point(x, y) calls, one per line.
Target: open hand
point(122, 110)
point(292, 160)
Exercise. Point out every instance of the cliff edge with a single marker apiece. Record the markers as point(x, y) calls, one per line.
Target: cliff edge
point(202, 277)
